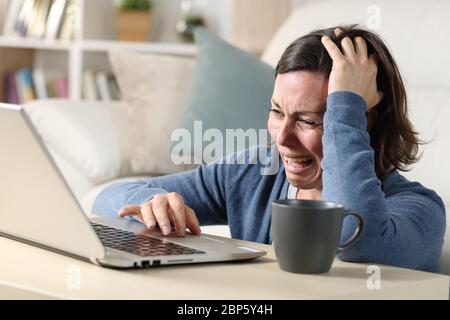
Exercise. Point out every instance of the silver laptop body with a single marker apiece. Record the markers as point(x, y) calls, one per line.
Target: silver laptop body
point(38, 207)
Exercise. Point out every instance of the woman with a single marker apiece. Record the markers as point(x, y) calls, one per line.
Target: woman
point(339, 120)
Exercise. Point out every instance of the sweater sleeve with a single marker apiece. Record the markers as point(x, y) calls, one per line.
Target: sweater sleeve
point(203, 189)
point(405, 229)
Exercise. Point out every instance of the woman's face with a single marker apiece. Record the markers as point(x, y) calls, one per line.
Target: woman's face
point(296, 125)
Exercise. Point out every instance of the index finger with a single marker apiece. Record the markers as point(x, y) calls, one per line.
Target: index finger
point(131, 210)
point(332, 48)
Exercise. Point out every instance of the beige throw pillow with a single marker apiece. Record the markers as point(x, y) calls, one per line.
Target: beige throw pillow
point(155, 88)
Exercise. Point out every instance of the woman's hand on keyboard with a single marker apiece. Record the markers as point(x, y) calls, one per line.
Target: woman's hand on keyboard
point(165, 210)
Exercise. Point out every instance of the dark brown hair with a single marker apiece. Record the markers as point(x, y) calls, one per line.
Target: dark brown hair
point(392, 136)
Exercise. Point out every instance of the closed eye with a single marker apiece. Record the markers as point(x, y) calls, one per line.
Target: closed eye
point(276, 111)
point(308, 122)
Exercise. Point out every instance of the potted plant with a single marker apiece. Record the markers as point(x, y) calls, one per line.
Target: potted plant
point(133, 20)
point(188, 19)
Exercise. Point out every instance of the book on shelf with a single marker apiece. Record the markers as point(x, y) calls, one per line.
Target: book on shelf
point(51, 89)
point(37, 25)
point(49, 19)
point(89, 88)
point(21, 24)
point(29, 84)
point(11, 88)
point(40, 84)
point(101, 81)
point(69, 21)
point(26, 85)
point(9, 25)
point(100, 85)
point(62, 88)
point(113, 87)
point(55, 16)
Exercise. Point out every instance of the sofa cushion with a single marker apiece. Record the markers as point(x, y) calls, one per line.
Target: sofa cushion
point(231, 90)
point(155, 88)
point(90, 136)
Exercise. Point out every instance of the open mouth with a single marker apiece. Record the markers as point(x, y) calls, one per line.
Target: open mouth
point(297, 164)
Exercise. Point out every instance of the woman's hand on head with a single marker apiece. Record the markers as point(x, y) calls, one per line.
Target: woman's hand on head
point(353, 70)
point(165, 211)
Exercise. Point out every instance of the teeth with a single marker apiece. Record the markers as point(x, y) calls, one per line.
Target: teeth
point(298, 160)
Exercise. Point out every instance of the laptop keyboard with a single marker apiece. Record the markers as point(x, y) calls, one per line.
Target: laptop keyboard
point(137, 244)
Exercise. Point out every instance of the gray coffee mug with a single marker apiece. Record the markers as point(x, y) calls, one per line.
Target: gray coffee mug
point(306, 234)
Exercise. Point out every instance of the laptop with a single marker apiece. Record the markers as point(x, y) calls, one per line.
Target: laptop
point(38, 207)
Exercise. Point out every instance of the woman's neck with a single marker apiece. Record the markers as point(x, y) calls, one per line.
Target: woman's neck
point(310, 194)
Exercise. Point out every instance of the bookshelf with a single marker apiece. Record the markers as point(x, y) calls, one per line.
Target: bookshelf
point(72, 57)
point(93, 36)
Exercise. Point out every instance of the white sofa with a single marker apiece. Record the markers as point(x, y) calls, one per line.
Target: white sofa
point(89, 139)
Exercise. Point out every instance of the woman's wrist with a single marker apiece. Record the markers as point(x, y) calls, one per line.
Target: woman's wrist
point(346, 107)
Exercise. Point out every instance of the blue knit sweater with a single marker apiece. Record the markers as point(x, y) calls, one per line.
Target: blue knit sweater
point(404, 221)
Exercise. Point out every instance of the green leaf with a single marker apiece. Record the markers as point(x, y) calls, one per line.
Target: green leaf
point(141, 5)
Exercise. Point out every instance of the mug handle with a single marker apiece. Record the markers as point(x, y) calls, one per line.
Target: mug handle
point(355, 234)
